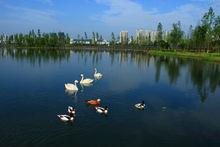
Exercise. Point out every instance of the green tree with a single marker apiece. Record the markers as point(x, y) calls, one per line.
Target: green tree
point(216, 33)
point(207, 24)
point(132, 40)
point(86, 36)
point(97, 36)
point(113, 41)
point(149, 42)
point(175, 36)
point(93, 38)
point(38, 33)
point(159, 36)
point(101, 38)
point(67, 39)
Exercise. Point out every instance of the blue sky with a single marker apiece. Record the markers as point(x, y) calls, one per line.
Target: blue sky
point(103, 16)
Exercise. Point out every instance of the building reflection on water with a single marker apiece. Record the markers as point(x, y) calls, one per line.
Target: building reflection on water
point(205, 76)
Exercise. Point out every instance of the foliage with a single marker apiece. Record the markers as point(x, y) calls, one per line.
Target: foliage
point(33, 39)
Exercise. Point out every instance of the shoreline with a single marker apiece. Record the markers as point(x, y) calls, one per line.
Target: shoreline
point(212, 57)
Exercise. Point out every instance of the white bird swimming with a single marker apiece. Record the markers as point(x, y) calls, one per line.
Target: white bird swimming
point(70, 117)
point(72, 87)
point(97, 74)
point(65, 118)
point(85, 81)
point(140, 106)
point(71, 110)
point(102, 110)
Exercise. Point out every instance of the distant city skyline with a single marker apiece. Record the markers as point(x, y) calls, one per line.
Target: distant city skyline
point(103, 16)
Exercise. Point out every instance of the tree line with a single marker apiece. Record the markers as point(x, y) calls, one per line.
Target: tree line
point(36, 39)
point(203, 37)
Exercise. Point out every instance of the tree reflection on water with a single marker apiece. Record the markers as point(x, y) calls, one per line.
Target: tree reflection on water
point(205, 76)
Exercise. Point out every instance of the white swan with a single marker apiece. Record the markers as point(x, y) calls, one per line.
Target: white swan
point(72, 87)
point(85, 81)
point(71, 92)
point(97, 74)
point(65, 118)
point(140, 106)
point(102, 110)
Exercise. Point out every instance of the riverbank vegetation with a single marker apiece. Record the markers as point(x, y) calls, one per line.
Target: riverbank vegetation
point(184, 54)
point(205, 37)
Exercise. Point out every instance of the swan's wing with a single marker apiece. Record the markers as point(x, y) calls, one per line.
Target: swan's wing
point(70, 85)
point(88, 80)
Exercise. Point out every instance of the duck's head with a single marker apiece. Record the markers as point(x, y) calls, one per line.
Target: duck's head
point(98, 100)
point(71, 109)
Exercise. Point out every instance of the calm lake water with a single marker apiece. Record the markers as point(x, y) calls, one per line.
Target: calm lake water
point(182, 98)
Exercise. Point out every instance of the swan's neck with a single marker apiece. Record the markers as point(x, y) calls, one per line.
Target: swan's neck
point(75, 83)
point(82, 78)
point(95, 71)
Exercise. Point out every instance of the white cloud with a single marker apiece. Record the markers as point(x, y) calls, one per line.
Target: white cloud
point(32, 15)
point(129, 14)
point(27, 18)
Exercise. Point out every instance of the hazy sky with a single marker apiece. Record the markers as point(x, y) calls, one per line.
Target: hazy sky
point(103, 16)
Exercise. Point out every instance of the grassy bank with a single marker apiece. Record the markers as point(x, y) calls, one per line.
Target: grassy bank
point(214, 57)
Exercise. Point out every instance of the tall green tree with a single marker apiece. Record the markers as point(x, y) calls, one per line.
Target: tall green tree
point(199, 37)
point(159, 36)
point(216, 33)
point(101, 38)
point(208, 24)
point(175, 35)
point(97, 36)
point(93, 38)
point(113, 41)
point(86, 36)
point(67, 39)
point(132, 40)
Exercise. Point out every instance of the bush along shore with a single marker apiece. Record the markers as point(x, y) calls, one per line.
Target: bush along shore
point(214, 57)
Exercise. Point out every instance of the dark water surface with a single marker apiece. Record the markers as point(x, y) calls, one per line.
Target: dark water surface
point(182, 98)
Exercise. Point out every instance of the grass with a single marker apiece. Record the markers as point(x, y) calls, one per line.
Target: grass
point(213, 57)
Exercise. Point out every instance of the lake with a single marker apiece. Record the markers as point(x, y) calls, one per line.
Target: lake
point(182, 99)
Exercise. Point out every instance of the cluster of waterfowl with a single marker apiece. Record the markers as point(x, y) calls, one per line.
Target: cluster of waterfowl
point(70, 116)
point(83, 81)
point(96, 102)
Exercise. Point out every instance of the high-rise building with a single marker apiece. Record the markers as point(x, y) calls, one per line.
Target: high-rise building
point(165, 35)
point(123, 37)
point(153, 35)
point(142, 35)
